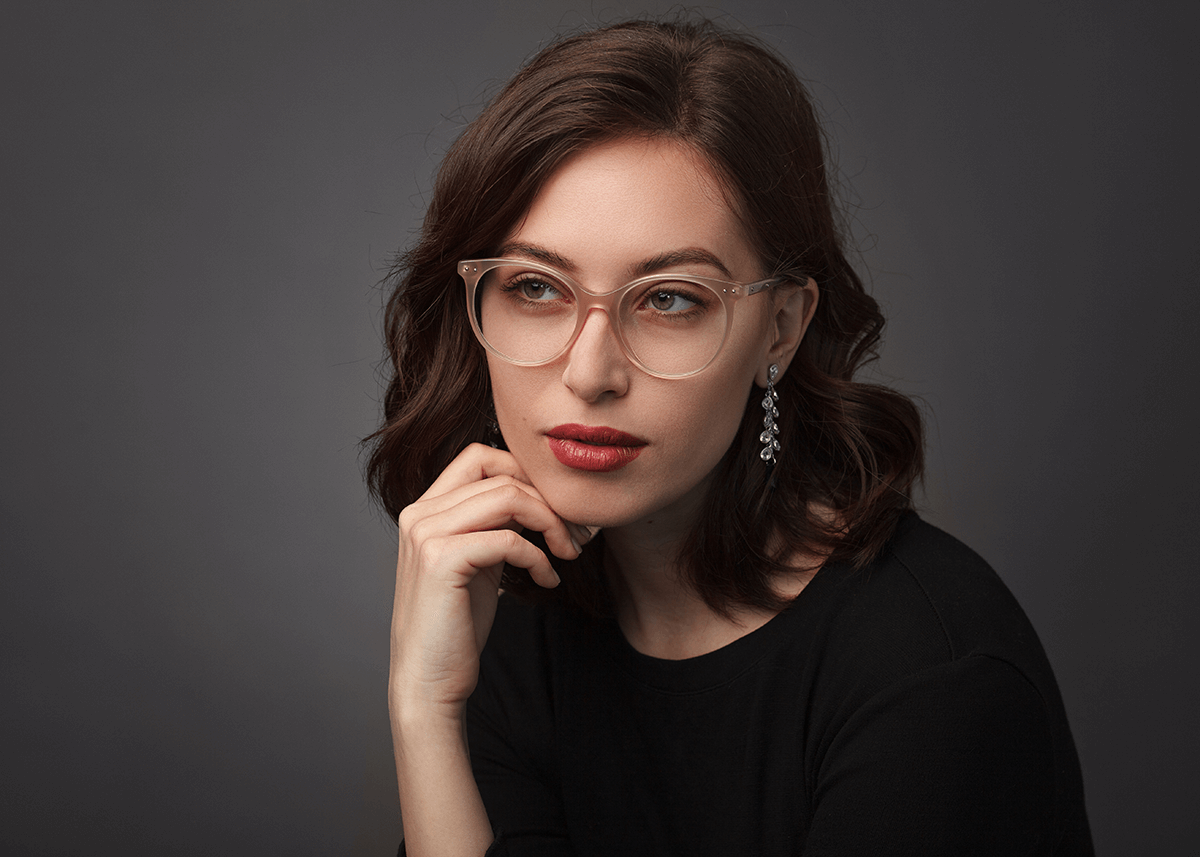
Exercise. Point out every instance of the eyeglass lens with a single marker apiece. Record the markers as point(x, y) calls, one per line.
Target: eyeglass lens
point(672, 326)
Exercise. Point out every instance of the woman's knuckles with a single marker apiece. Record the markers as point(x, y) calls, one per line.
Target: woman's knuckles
point(483, 504)
point(463, 554)
point(432, 552)
point(412, 516)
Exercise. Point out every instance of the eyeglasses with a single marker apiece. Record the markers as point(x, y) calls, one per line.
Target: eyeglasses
point(669, 325)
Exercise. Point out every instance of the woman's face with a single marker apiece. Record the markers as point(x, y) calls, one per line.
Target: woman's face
point(601, 218)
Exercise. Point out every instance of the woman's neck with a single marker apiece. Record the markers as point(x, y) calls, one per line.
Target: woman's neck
point(659, 613)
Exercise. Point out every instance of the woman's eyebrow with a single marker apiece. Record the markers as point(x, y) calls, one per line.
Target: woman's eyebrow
point(541, 254)
point(685, 256)
point(653, 265)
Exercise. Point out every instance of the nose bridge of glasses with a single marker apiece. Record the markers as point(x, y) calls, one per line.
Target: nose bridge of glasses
point(602, 307)
point(608, 302)
point(609, 340)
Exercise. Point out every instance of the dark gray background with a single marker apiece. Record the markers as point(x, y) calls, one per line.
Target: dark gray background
point(199, 200)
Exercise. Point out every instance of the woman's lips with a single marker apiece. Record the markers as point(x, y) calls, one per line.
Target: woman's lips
point(595, 448)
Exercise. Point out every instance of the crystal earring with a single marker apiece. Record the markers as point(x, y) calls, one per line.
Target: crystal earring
point(770, 435)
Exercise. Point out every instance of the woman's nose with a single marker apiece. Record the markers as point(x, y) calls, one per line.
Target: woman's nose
point(596, 363)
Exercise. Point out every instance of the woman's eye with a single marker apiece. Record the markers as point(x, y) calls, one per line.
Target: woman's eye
point(536, 290)
point(664, 301)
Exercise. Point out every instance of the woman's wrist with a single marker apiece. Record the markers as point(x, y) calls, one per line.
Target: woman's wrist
point(441, 807)
point(413, 715)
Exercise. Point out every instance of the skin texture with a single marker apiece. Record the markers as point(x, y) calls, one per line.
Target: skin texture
point(605, 212)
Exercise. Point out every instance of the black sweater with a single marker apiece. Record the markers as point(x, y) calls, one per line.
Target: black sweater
point(907, 708)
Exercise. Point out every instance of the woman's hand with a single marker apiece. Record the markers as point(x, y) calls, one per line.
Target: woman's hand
point(454, 542)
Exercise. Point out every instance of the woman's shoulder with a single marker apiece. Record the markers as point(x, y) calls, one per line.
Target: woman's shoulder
point(926, 646)
point(949, 589)
point(926, 603)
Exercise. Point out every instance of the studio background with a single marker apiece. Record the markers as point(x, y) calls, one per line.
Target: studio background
point(200, 200)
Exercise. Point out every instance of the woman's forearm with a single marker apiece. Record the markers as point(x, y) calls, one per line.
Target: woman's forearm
point(440, 805)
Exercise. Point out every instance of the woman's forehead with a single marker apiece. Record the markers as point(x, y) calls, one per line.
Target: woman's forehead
point(629, 201)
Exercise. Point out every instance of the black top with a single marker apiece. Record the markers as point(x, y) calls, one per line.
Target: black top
point(907, 708)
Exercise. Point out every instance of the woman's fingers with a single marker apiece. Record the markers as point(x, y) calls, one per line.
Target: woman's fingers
point(473, 553)
point(453, 544)
point(474, 464)
point(477, 464)
point(497, 475)
point(486, 508)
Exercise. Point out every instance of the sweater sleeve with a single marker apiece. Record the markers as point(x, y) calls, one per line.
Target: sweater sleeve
point(955, 759)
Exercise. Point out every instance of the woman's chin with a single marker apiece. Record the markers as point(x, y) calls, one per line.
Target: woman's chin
point(589, 508)
point(591, 516)
point(610, 507)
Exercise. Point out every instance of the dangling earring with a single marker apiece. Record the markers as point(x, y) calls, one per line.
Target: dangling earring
point(770, 435)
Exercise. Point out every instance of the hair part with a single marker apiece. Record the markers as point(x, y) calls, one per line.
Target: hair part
point(852, 452)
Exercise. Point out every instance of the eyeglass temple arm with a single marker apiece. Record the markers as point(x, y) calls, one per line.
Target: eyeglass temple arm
point(755, 288)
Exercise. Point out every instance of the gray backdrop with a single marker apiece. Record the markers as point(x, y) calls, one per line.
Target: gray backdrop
point(199, 200)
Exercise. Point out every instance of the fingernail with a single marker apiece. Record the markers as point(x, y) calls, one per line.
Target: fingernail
point(575, 544)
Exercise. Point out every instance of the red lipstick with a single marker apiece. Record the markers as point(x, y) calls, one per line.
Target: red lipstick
point(595, 448)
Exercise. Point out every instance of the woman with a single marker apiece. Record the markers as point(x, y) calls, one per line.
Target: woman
point(623, 353)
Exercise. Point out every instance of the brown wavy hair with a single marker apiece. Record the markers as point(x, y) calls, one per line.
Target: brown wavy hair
point(850, 448)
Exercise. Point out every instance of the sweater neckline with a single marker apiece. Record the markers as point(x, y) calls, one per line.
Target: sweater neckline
point(721, 666)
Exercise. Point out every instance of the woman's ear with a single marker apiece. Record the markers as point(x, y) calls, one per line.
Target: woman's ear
point(790, 317)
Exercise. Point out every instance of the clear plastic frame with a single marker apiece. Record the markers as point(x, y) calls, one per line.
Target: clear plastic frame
point(669, 325)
